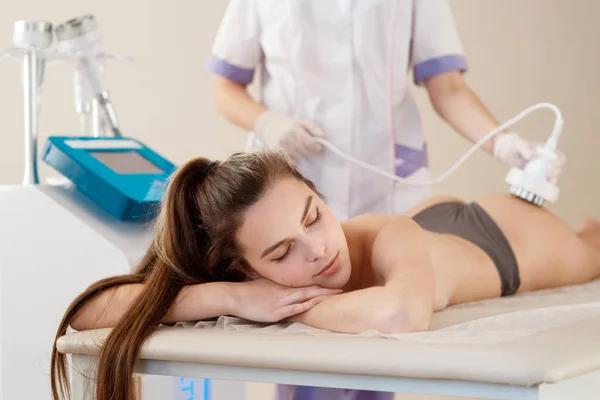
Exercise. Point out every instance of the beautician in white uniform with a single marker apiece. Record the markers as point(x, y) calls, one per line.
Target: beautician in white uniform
point(338, 69)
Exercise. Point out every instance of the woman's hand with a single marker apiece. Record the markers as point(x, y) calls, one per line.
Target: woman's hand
point(262, 300)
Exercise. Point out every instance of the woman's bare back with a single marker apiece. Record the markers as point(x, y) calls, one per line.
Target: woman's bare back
point(548, 253)
point(462, 271)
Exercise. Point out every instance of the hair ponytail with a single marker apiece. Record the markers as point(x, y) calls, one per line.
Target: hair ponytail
point(174, 260)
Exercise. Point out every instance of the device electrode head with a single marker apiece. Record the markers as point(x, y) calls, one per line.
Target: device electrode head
point(531, 183)
point(76, 27)
point(34, 35)
point(78, 35)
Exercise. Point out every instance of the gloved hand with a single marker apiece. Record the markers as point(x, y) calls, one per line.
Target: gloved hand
point(282, 132)
point(517, 152)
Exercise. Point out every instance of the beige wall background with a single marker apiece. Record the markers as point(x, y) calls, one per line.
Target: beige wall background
point(519, 51)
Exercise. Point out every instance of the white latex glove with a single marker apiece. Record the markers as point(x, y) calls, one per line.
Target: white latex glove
point(295, 137)
point(517, 152)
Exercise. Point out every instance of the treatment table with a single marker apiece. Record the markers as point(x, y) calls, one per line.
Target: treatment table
point(540, 345)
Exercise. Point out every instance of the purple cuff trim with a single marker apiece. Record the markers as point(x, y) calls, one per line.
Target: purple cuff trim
point(413, 160)
point(229, 71)
point(440, 65)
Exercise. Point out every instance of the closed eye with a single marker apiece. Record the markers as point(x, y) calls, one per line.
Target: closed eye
point(314, 221)
point(317, 218)
point(280, 259)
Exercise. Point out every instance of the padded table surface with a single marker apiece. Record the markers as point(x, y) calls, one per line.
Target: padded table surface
point(525, 340)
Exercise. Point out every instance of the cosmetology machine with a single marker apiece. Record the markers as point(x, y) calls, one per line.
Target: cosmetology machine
point(60, 235)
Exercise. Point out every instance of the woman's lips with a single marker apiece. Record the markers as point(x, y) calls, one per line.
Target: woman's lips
point(331, 267)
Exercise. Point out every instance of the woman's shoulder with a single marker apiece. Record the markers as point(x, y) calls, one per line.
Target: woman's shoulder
point(375, 239)
point(365, 224)
point(374, 222)
point(363, 230)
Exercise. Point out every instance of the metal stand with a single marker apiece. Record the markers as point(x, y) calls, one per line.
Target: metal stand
point(30, 123)
point(33, 37)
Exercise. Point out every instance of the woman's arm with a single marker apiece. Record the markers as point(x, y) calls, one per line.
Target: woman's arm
point(404, 304)
point(236, 104)
point(194, 302)
point(259, 300)
point(461, 108)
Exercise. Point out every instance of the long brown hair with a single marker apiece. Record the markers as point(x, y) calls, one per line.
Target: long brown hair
point(194, 243)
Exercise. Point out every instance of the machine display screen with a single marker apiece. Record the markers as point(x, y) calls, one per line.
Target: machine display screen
point(126, 162)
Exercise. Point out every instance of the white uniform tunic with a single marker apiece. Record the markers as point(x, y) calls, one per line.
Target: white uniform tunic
point(344, 64)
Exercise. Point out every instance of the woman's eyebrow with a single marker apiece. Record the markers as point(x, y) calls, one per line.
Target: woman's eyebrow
point(306, 208)
point(272, 248)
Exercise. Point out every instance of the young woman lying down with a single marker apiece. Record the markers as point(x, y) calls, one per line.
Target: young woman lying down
point(252, 238)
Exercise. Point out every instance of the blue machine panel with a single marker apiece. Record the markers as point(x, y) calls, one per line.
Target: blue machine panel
point(121, 175)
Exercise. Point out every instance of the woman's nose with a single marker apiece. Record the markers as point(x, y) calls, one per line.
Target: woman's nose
point(317, 250)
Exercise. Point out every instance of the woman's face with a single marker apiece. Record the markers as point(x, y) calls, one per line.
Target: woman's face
point(292, 238)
